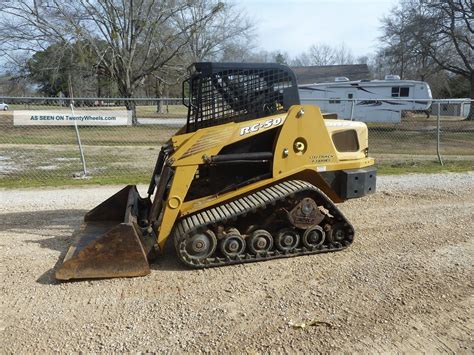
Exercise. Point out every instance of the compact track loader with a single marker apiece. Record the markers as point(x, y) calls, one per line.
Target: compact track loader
point(253, 175)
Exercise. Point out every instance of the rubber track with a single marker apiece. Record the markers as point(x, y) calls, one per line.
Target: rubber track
point(250, 204)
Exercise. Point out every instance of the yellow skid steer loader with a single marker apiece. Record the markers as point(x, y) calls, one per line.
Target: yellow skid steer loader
point(253, 175)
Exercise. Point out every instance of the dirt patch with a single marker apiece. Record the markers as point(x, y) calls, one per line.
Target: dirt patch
point(405, 284)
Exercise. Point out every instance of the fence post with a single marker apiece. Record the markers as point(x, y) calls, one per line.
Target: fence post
point(352, 109)
point(438, 134)
point(78, 137)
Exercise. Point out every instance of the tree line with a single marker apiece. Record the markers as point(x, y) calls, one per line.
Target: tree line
point(133, 48)
point(431, 40)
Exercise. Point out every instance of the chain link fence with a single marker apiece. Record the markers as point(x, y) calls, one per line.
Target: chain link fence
point(49, 155)
point(436, 137)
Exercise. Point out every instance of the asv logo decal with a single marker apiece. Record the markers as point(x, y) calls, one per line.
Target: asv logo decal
point(261, 125)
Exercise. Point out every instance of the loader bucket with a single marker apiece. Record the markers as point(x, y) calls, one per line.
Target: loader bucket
point(109, 243)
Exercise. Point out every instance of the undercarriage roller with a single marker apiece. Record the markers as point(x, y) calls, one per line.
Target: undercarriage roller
point(314, 237)
point(232, 244)
point(338, 233)
point(287, 239)
point(201, 245)
point(260, 241)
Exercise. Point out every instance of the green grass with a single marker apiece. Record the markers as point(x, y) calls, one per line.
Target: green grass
point(420, 142)
point(154, 135)
point(424, 167)
point(47, 165)
point(34, 181)
point(107, 136)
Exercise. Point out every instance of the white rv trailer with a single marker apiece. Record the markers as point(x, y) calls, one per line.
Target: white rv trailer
point(368, 100)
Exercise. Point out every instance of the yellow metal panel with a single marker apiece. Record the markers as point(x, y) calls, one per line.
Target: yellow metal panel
point(309, 130)
point(179, 188)
point(335, 126)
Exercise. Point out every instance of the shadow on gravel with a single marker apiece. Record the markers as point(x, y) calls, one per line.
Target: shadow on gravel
point(54, 228)
point(168, 261)
point(50, 226)
point(33, 221)
point(48, 277)
point(60, 244)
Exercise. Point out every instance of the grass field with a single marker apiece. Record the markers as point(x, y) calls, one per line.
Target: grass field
point(49, 156)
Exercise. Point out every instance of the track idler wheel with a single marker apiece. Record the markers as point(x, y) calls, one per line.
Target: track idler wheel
point(201, 245)
point(232, 244)
point(260, 242)
point(314, 237)
point(287, 240)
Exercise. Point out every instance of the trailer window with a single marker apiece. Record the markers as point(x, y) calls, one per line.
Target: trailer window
point(334, 101)
point(398, 91)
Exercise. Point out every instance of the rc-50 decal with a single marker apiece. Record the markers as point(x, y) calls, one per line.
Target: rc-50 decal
point(261, 125)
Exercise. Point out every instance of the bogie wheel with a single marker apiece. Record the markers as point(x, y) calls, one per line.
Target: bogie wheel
point(201, 245)
point(260, 242)
point(337, 233)
point(287, 239)
point(232, 245)
point(314, 236)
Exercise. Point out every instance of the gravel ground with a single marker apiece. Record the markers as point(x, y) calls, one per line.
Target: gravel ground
point(404, 285)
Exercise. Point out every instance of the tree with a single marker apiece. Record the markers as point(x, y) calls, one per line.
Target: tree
point(15, 85)
point(224, 37)
point(52, 67)
point(324, 54)
point(395, 37)
point(321, 54)
point(131, 39)
point(453, 30)
point(363, 59)
point(302, 60)
point(455, 86)
point(280, 59)
point(431, 35)
point(227, 29)
point(343, 55)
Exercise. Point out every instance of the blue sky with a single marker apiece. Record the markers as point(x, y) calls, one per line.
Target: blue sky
point(293, 25)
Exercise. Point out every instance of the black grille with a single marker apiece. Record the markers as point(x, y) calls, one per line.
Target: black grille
point(225, 92)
